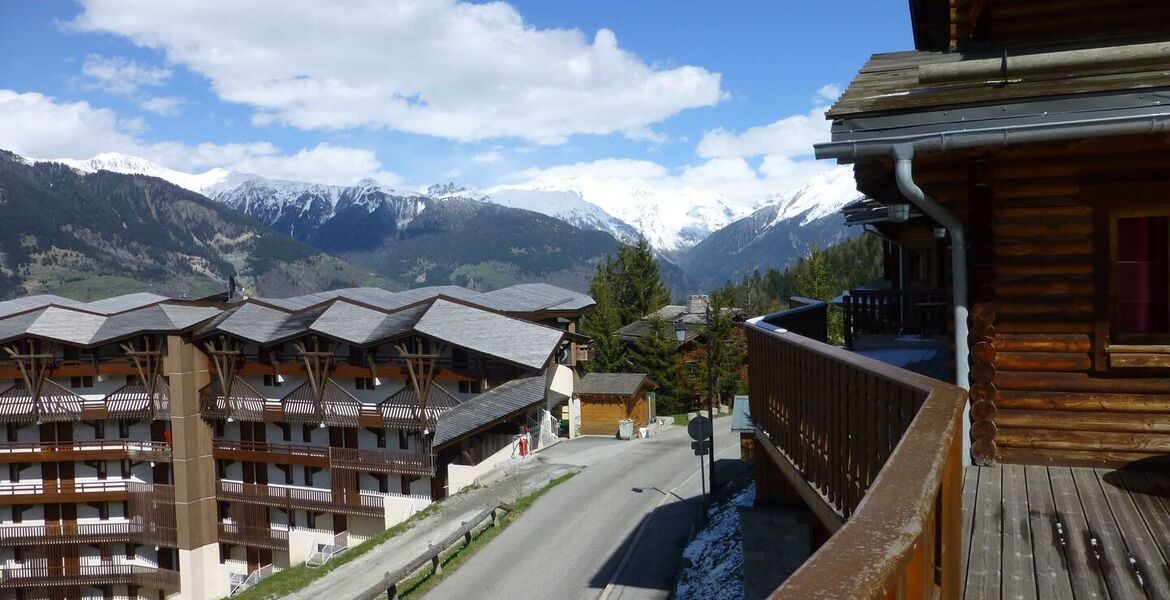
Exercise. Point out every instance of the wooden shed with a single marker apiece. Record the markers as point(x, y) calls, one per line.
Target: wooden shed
point(607, 398)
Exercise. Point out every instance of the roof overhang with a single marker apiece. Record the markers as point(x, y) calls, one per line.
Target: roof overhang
point(860, 137)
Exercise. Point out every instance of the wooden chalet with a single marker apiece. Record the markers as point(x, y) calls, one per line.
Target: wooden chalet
point(608, 398)
point(1016, 162)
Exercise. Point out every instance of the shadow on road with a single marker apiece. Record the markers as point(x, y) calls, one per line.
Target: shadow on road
point(654, 563)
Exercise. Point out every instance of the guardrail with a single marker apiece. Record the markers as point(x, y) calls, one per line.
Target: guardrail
point(101, 574)
point(383, 461)
point(868, 445)
point(64, 533)
point(895, 312)
point(262, 537)
point(361, 502)
point(78, 450)
point(432, 559)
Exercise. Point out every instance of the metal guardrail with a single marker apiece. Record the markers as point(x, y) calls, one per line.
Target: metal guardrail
point(433, 558)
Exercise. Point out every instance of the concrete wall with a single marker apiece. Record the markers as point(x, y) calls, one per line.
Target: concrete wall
point(461, 476)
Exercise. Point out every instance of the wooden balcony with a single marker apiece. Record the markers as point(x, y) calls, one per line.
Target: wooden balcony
point(380, 460)
point(260, 537)
point(67, 533)
point(137, 450)
point(364, 503)
point(92, 575)
point(895, 313)
point(269, 452)
point(63, 492)
point(873, 451)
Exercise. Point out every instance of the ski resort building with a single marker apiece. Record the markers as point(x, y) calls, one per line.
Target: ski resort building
point(167, 448)
point(1016, 164)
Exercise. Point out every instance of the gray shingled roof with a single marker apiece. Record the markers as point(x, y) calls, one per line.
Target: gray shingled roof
point(520, 342)
point(96, 323)
point(611, 384)
point(521, 298)
point(488, 407)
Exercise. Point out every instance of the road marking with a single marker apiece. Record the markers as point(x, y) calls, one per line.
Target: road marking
point(609, 587)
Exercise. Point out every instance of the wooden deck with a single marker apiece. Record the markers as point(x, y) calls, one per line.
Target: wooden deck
point(1048, 532)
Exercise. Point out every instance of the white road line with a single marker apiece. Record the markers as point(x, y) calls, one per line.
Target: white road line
point(609, 587)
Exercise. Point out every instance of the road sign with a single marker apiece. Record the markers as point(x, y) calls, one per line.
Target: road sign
point(699, 428)
point(700, 447)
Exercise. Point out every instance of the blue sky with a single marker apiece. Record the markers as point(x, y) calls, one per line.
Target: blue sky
point(674, 93)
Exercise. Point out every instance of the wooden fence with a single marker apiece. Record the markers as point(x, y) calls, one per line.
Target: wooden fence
point(874, 451)
point(895, 312)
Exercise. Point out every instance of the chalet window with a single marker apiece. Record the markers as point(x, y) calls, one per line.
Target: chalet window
point(288, 476)
point(381, 437)
point(309, 476)
point(14, 472)
point(82, 381)
point(271, 381)
point(1142, 278)
point(470, 387)
point(18, 551)
point(130, 554)
point(364, 383)
point(311, 519)
point(458, 358)
point(124, 465)
point(306, 433)
point(100, 466)
point(11, 427)
point(123, 429)
point(103, 510)
point(286, 432)
point(99, 430)
point(17, 514)
point(71, 354)
point(403, 440)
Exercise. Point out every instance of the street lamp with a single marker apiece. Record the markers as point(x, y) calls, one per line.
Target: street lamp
point(680, 331)
point(710, 394)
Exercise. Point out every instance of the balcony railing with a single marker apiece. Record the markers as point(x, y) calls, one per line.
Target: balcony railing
point(85, 450)
point(101, 574)
point(874, 451)
point(46, 491)
point(271, 452)
point(262, 537)
point(895, 312)
point(363, 503)
point(379, 460)
point(65, 533)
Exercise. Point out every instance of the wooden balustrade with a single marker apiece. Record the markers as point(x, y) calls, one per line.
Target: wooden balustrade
point(41, 575)
point(85, 450)
point(66, 533)
point(875, 451)
point(63, 491)
point(380, 460)
point(296, 454)
point(354, 502)
point(895, 312)
point(261, 537)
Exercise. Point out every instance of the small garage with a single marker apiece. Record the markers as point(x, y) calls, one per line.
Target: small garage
point(607, 398)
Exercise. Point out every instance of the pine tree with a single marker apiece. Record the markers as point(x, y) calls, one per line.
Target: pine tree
point(609, 354)
point(656, 355)
point(637, 282)
point(725, 343)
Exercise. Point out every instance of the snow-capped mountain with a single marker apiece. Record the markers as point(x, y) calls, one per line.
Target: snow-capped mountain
point(134, 165)
point(781, 231)
point(567, 206)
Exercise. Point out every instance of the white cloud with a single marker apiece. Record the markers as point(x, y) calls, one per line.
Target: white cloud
point(163, 105)
point(120, 76)
point(488, 158)
point(789, 136)
point(829, 91)
point(38, 126)
point(451, 69)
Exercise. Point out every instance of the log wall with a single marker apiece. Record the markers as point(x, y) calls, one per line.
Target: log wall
point(1039, 220)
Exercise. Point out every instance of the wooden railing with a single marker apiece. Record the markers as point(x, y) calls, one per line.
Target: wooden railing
point(64, 533)
point(874, 451)
point(380, 460)
point(83, 450)
point(363, 503)
point(895, 312)
point(100, 574)
point(262, 537)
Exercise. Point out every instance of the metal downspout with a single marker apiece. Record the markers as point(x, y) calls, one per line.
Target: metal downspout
point(904, 176)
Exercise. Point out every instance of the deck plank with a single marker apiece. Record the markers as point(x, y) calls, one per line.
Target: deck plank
point(1052, 577)
point(1083, 569)
point(1019, 571)
point(970, 486)
point(983, 569)
point(1154, 504)
point(1113, 553)
point(1138, 538)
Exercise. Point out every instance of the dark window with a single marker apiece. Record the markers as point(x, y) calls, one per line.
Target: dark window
point(403, 440)
point(130, 551)
point(383, 483)
point(123, 429)
point(12, 429)
point(125, 466)
point(381, 436)
point(14, 472)
point(17, 513)
point(18, 551)
point(219, 428)
point(286, 432)
point(306, 433)
point(288, 475)
point(470, 387)
point(103, 510)
point(309, 477)
point(101, 470)
point(271, 381)
point(99, 430)
point(364, 383)
point(1143, 276)
point(71, 354)
point(311, 519)
point(458, 358)
point(82, 381)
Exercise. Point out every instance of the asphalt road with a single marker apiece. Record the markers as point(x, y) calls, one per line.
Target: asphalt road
point(571, 543)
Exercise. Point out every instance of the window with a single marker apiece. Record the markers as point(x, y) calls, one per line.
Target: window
point(14, 472)
point(82, 381)
point(271, 381)
point(364, 383)
point(309, 476)
point(99, 430)
point(100, 466)
point(306, 433)
point(11, 427)
point(288, 475)
point(124, 464)
point(381, 437)
point(1142, 278)
point(470, 387)
point(133, 380)
point(103, 510)
point(403, 440)
point(458, 358)
point(124, 429)
point(286, 432)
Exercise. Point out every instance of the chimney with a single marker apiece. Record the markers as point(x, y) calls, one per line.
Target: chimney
point(697, 304)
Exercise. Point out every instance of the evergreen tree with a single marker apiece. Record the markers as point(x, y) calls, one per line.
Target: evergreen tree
point(637, 282)
point(657, 356)
point(724, 341)
point(609, 354)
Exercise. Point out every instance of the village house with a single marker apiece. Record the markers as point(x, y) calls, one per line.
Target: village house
point(158, 447)
point(1016, 163)
point(607, 399)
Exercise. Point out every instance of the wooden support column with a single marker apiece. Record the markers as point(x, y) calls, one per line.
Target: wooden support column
point(317, 354)
point(421, 366)
point(983, 392)
point(146, 355)
point(34, 362)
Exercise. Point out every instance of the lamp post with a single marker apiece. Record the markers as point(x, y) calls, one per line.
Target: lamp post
point(710, 394)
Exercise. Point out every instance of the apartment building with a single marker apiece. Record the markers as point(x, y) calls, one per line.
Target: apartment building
point(167, 448)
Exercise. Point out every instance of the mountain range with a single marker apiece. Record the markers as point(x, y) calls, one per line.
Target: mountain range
point(545, 230)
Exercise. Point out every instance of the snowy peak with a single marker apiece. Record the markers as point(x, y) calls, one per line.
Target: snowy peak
point(822, 195)
point(136, 165)
point(568, 206)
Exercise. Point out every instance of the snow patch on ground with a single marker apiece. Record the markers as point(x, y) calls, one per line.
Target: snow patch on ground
point(716, 554)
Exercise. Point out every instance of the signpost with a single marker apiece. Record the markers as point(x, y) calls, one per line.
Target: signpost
point(700, 430)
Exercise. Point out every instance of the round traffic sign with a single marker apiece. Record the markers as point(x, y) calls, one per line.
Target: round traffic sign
point(699, 428)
